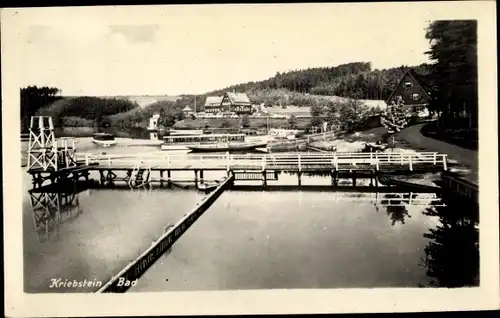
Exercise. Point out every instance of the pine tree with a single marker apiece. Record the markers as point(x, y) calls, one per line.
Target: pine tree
point(394, 119)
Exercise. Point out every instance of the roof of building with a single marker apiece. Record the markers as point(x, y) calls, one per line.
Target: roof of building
point(422, 80)
point(187, 108)
point(418, 79)
point(213, 100)
point(238, 98)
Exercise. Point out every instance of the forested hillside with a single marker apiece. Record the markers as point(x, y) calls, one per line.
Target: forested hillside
point(310, 87)
point(352, 80)
point(86, 108)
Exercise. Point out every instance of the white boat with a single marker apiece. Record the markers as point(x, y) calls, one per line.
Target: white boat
point(208, 186)
point(184, 142)
point(104, 139)
point(283, 133)
point(196, 132)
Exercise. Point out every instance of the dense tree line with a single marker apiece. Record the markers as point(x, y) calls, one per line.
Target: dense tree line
point(34, 98)
point(89, 108)
point(453, 74)
point(343, 115)
point(346, 80)
point(115, 112)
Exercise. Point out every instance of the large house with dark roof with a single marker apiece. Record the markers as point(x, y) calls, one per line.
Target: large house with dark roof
point(212, 104)
point(238, 103)
point(412, 91)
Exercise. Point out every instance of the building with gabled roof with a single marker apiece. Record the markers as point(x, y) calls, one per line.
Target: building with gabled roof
point(238, 103)
point(187, 110)
point(212, 104)
point(412, 91)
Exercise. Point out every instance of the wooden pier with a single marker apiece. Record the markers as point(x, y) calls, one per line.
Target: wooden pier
point(428, 161)
point(133, 169)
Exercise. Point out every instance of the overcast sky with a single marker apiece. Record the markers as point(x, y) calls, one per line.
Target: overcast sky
point(195, 49)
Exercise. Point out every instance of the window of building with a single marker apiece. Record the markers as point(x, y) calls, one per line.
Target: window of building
point(408, 84)
point(415, 96)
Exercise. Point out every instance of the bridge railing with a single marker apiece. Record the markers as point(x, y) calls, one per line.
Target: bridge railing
point(269, 161)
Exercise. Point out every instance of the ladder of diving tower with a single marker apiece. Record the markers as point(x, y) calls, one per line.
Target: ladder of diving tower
point(137, 177)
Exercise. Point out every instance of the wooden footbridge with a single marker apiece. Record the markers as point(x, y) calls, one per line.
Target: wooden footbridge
point(262, 167)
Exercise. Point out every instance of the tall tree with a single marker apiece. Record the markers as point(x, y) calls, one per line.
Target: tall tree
point(454, 70)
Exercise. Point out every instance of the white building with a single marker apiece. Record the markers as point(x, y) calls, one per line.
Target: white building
point(153, 122)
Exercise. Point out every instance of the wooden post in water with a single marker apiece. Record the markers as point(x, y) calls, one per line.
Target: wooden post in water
point(201, 176)
point(264, 177)
point(161, 178)
point(196, 177)
point(169, 178)
point(354, 178)
point(299, 176)
point(101, 174)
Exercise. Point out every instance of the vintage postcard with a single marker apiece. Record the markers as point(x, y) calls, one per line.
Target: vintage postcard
point(215, 159)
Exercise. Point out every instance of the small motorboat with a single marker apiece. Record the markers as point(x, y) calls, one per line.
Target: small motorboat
point(390, 181)
point(374, 147)
point(104, 139)
point(208, 186)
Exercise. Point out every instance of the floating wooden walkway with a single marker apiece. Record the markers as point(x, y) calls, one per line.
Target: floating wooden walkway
point(123, 280)
point(458, 185)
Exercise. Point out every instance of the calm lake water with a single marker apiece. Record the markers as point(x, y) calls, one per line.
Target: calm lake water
point(255, 239)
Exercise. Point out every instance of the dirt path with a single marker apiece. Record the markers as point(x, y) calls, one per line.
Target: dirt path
point(466, 157)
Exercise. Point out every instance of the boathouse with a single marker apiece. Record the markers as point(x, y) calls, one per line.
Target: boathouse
point(412, 91)
point(212, 104)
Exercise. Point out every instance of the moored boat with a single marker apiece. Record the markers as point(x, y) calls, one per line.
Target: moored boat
point(224, 147)
point(208, 186)
point(183, 142)
point(104, 139)
point(387, 180)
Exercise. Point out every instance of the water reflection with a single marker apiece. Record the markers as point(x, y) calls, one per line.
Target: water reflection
point(449, 254)
point(392, 199)
point(397, 212)
point(51, 210)
point(452, 255)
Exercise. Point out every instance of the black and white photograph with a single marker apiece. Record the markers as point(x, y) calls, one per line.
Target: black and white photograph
point(225, 149)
